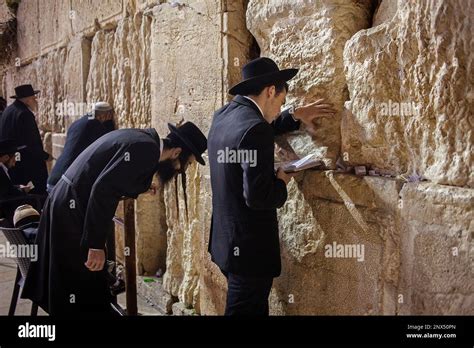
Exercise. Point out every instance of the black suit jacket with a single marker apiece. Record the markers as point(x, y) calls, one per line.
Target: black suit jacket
point(7, 189)
point(80, 135)
point(244, 230)
point(11, 197)
point(17, 122)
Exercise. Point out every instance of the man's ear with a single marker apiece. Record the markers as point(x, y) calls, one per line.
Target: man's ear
point(271, 91)
point(175, 152)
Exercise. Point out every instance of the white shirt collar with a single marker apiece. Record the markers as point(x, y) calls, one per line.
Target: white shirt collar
point(4, 167)
point(253, 101)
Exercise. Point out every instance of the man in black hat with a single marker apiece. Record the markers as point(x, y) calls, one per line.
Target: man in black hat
point(18, 122)
point(11, 196)
point(69, 277)
point(244, 240)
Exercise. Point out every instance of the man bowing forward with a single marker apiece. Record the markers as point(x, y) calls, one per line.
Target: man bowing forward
point(69, 277)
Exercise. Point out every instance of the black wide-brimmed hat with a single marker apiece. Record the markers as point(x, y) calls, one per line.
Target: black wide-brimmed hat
point(261, 72)
point(8, 146)
point(192, 137)
point(24, 91)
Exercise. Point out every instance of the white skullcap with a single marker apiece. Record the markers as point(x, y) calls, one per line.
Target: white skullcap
point(102, 106)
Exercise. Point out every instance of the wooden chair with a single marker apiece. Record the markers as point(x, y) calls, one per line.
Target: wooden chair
point(15, 236)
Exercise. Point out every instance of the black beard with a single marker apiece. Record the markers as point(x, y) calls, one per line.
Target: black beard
point(166, 171)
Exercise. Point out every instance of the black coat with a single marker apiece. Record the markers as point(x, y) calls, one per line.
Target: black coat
point(7, 189)
point(78, 215)
point(80, 135)
point(17, 122)
point(244, 230)
point(11, 197)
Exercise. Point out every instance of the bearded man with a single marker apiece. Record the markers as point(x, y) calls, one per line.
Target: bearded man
point(69, 277)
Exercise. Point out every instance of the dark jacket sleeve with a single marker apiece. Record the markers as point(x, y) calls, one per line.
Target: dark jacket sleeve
point(285, 123)
point(261, 188)
point(7, 189)
point(128, 174)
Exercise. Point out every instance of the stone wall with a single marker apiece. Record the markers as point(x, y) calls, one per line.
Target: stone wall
point(168, 61)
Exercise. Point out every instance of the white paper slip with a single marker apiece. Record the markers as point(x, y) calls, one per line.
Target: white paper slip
point(306, 162)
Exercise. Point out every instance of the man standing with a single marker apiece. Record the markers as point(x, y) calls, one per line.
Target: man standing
point(80, 135)
point(18, 123)
point(244, 240)
point(69, 277)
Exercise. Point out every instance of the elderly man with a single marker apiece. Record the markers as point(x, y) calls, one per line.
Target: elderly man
point(80, 135)
point(69, 277)
point(17, 122)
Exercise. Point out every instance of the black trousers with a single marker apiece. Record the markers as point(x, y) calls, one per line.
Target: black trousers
point(247, 295)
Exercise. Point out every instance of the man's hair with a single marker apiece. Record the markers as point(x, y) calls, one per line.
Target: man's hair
point(279, 87)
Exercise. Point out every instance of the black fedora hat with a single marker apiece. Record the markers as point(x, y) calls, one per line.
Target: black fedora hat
point(8, 146)
point(24, 91)
point(192, 137)
point(260, 72)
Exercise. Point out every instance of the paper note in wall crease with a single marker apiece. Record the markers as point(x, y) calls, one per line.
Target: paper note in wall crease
point(298, 165)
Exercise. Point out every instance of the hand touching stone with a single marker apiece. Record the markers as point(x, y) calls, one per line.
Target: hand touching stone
point(310, 112)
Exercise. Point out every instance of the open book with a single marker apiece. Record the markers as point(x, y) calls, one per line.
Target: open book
point(306, 162)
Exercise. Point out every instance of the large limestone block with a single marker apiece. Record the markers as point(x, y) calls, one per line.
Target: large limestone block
point(185, 228)
point(119, 70)
point(186, 65)
point(410, 82)
point(28, 33)
point(213, 285)
point(54, 24)
point(50, 80)
point(326, 208)
point(437, 248)
point(150, 233)
point(310, 35)
point(86, 15)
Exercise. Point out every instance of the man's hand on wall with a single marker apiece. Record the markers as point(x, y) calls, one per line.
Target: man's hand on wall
point(310, 112)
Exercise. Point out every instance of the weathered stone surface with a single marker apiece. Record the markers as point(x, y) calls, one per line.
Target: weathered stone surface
point(160, 62)
point(437, 248)
point(119, 70)
point(28, 33)
point(186, 82)
point(384, 12)
point(346, 210)
point(310, 35)
point(150, 233)
point(420, 63)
